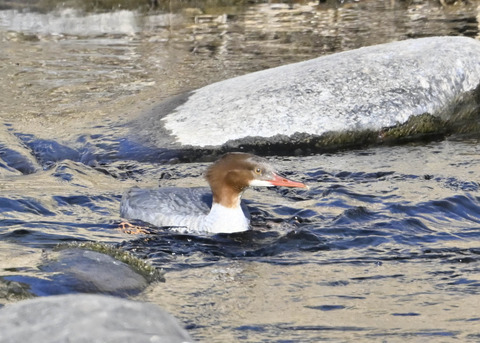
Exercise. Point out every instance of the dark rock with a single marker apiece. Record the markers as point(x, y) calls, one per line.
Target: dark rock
point(86, 267)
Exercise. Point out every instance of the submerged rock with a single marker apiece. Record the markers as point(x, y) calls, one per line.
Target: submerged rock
point(88, 318)
point(352, 96)
point(85, 271)
point(83, 268)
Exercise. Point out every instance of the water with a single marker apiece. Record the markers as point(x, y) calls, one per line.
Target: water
point(384, 246)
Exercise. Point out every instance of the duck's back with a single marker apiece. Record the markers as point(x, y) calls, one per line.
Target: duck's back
point(166, 206)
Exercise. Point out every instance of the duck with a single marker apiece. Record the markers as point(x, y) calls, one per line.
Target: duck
point(219, 209)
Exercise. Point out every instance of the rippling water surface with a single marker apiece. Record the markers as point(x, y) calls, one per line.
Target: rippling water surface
point(384, 246)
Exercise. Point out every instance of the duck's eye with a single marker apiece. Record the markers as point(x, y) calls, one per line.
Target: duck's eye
point(258, 171)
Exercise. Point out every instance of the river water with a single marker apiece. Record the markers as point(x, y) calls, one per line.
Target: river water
point(384, 246)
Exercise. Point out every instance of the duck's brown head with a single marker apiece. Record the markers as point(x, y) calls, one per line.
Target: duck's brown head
point(230, 175)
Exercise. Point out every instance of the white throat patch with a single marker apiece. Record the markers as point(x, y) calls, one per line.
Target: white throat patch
point(223, 219)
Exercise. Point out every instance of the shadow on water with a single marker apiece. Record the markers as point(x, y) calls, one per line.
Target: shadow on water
point(252, 244)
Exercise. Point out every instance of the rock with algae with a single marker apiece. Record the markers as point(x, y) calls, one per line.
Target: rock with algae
point(89, 267)
point(141, 266)
point(344, 99)
point(83, 267)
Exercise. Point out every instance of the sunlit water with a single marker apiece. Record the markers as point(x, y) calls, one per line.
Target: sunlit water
point(384, 246)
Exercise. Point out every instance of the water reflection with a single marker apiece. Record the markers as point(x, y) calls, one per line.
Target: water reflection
point(331, 26)
point(72, 22)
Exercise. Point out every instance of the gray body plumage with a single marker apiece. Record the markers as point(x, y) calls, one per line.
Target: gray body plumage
point(184, 208)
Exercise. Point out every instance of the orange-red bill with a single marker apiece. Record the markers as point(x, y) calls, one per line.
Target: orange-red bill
point(281, 181)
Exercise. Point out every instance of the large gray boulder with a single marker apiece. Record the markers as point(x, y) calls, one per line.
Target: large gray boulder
point(88, 318)
point(367, 89)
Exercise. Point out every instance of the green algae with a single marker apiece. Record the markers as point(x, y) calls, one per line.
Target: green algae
point(419, 127)
point(424, 127)
point(14, 291)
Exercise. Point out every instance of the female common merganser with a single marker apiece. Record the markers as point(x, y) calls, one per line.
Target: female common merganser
point(188, 210)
